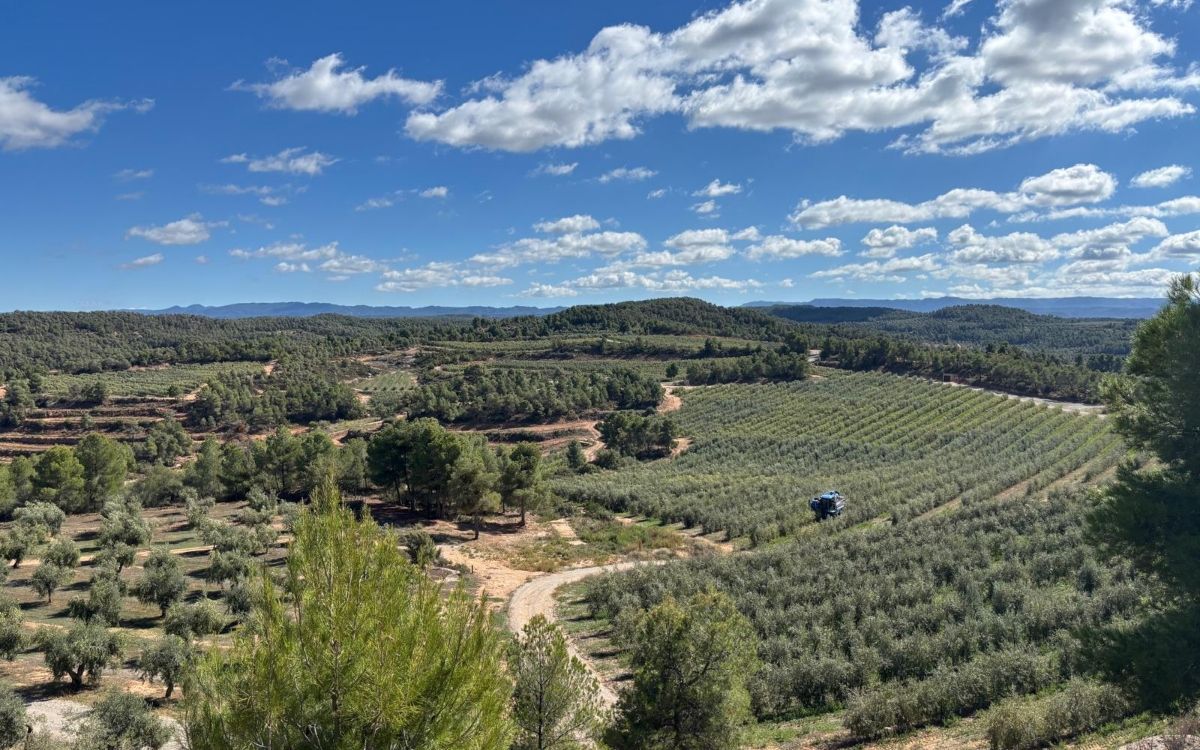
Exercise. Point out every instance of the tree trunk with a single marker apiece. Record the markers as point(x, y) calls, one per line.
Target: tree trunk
point(476, 525)
point(522, 509)
point(170, 689)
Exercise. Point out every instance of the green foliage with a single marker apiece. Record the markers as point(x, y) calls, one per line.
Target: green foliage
point(765, 366)
point(162, 582)
point(81, 653)
point(106, 463)
point(19, 541)
point(60, 480)
point(189, 621)
point(62, 552)
point(281, 685)
point(165, 442)
point(122, 721)
point(691, 662)
point(422, 550)
point(48, 578)
point(521, 477)
point(946, 614)
point(204, 474)
point(168, 659)
point(12, 717)
point(895, 447)
point(295, 392)
point(643, 436)
point(103, 600)
point(1151, 515)
point(505, 395)
point(556, 701)
point(1080, 706)
point(41, 518)
point(12, 632)
point(121, 523)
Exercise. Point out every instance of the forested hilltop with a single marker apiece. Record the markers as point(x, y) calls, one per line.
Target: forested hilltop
point(992, 347)
point(1092, 339)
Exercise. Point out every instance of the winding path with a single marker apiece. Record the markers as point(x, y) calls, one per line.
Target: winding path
point(537, 598)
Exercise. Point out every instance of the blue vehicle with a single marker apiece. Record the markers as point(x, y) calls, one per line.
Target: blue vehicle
point(829, 505)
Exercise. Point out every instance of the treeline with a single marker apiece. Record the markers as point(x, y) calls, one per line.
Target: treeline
point(1004, 368)
point(293, 393)
point(1094, 340)
point(763, 366)
point(493, 394)
point(100, 341)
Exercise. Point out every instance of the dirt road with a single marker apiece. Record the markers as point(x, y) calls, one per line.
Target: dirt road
point(537, 598)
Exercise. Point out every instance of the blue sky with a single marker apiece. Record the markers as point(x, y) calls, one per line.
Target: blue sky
point(554, 153)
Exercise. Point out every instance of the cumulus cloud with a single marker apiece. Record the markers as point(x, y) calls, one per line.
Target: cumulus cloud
point(328, 86)
point(549, 291)
point(1179, 246)
point(190, 230)
point(1109, 242)
point(373, 204)
point(895, 270)
point(267, 195)
point(659, 281)
point(1081, 183)
point(27, 123)
point(778, 247)
point(716, 189)
point(439, 191)
point(690, 247)
point(434, 275)
point(569, 245)
point(706, 208)
point(284, 266)
point(1018, 247)
point(1161, 177)
point(812, 67)
point(884, 243)
point(143, 262)
point(576, 223)
point(627, 174)
point(289, 161)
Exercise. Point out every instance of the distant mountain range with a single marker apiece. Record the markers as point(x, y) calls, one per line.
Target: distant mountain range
point(309, 309)
point(1065, 307)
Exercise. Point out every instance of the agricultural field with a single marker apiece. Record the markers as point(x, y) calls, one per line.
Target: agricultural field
point(161, 381)
point(896, 447)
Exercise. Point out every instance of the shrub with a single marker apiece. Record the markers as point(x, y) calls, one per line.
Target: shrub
point(1080, 706)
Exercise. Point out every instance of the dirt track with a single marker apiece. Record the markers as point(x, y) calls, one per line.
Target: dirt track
point(537, 598)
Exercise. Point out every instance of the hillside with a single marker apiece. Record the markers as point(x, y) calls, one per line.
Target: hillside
point(1068, 307)
point(979, 325)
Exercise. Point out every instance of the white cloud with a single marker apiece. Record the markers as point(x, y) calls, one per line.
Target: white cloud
point(327, 87)
point(556, 169)
point(436, 275)
point(955, 8)
point(883, 243)
point(1082, 183)
point(1161, 177)
point(570, 245)
point(128, 175)
point(549, 291)
point(706, 208)
point(749, 234)
point(1109, 242)
point(190, 230)
point(627, 174)
point(439, 191)
point(813, 68)
point(1018, 247)
point(26, 122)
point(716, 189)
point(656, 194)
point(289, 161)
point(372, 204)
point(894, 270)
point(292, 251)
point(660, 281)
point(201, 260)
point(267, 195)
point(143, 262)
point(284, 266)
point(576, 223)
point(777, 247)
point(690, 247)
point(344, 265)
point(1179, 246)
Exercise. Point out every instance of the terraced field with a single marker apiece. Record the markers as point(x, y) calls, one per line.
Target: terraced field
point(896, 447)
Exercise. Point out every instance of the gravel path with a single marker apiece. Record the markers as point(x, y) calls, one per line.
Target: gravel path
point(537, 598)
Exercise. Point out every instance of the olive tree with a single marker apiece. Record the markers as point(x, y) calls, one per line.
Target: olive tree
point(162, 583)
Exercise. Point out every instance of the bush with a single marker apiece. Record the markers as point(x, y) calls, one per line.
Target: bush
point(1080, 706)
point(12, 717)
